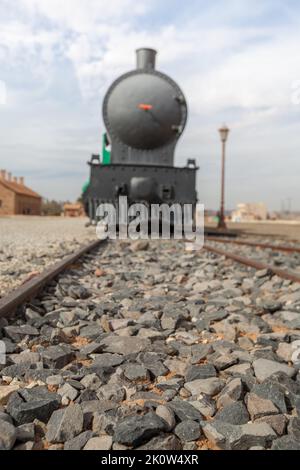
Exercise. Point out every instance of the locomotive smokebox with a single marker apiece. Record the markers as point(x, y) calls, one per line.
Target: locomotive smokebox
point(145, 113)
point(145, 58)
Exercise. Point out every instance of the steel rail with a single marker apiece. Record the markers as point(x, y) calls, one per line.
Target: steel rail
point(253, 263)
point(29, 290)
point(286, 249)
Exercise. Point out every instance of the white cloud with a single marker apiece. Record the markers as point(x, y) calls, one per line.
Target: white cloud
point(82, 16)
point(229, 66)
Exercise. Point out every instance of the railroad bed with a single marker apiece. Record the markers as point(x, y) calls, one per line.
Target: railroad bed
point(151, 346)
point(283, 258)
point(30, 244)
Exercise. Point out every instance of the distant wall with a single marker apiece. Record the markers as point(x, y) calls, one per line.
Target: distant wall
point(27, 205)
point(7, 201)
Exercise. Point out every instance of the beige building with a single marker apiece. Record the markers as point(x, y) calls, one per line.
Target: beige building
point(16, 198)
point(249, 212)
point(73, 210)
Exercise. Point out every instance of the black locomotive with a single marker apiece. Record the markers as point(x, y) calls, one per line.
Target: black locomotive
point(145, 113)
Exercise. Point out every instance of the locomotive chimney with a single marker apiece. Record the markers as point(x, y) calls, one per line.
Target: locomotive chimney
point(146, 58)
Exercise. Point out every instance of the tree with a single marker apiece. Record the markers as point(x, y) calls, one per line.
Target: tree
point(52, 207)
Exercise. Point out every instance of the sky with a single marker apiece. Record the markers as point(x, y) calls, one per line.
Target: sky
point(237, 62)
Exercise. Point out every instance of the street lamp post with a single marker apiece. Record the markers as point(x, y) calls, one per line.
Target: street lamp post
point(224, 131)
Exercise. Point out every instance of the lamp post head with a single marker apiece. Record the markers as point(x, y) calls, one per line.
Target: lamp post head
point(224, 131)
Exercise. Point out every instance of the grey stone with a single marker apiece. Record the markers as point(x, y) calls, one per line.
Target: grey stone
point(264, 369)
point(91, 331)
point(6, 391)
point(285, 351)
point(271, 391)
point(239, 370)
point(173, 384)
point(90, 407)
point(231, 393)
point(91, 381)
point(25, 432)
point(68, 318)
point(277, 422)
point(227, 436)
point(78, 292)
point(286, 443)
point(294, 428)
point(15, 333)
point(55, 380)
point(200, 352)
point(28, 405)
point(290, 319)
point(90, 348)
point(78, 442)
point(188, 431)
point(58, 356)
point(170, 320)
point(259, 407)
point(15, 371)
point(262, 273)
point(99, 443)
point(245, 343)
point(204, 371)
point(210, 386)
point(112, 391)
point(234, 413)
point(185, 411)
point(157, 369)
point(25, 358)
point(169, 394)
point(136, 372)
point(67, 391)
point(108, 360)
point(162, 442)
point(8, 435)
point(151, 334)
point(65, 424)
point(271, 306)
point(104, 423)
point(205, 404)
point(5, 417)
point(224, 361)
point(167, 414)
point(139, 245)
point(134, 430)
point(125, 345)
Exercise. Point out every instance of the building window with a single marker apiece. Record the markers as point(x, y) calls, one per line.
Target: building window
point(0, 203)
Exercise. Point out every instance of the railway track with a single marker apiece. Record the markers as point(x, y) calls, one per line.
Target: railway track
point(140, 344)
point(283, 248)
point(254, 260)
point(30, 289)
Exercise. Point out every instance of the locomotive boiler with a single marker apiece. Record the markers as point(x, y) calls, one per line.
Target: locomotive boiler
point(145, 113)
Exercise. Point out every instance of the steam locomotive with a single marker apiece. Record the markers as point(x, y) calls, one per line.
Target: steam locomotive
point(145, 113)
